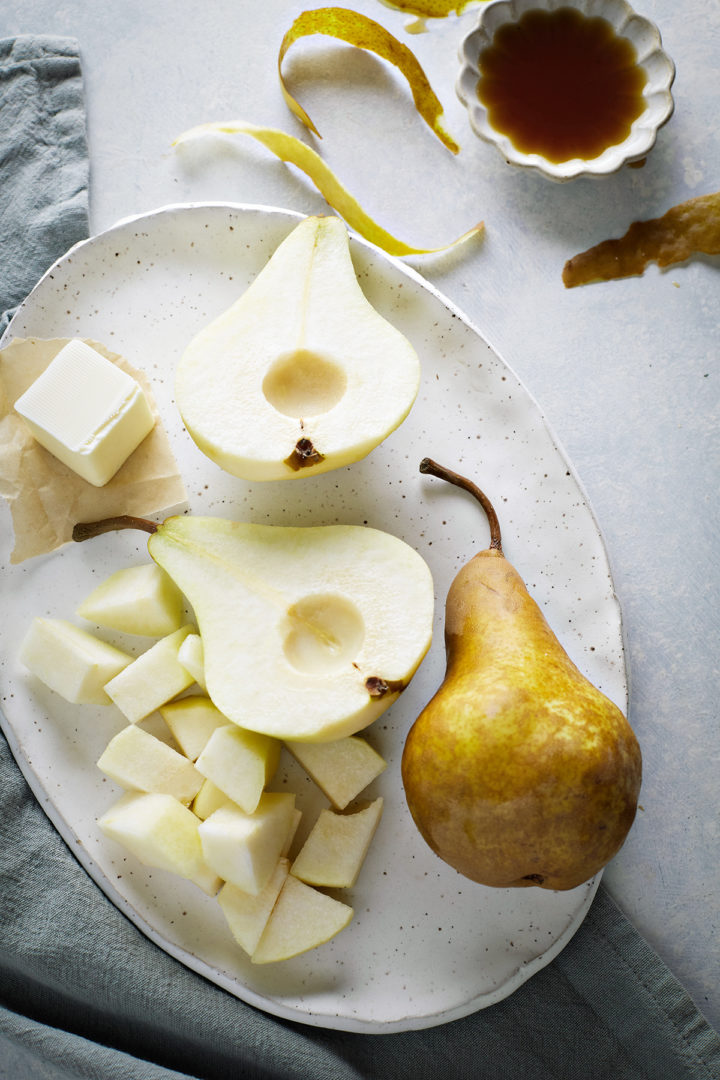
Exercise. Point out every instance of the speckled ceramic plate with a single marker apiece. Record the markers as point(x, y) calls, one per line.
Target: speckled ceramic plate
point(426, 946)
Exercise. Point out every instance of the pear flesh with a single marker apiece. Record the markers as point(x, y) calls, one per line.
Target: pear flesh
point(301, 374)
point(518, 771)
point(308, 632)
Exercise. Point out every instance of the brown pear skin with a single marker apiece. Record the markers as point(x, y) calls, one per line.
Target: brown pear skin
point(518, 771)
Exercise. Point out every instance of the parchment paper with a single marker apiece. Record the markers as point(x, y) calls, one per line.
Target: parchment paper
point(46, 497)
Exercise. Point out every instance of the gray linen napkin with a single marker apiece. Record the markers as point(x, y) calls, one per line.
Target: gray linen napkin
point(43, 160)
point(83, 994)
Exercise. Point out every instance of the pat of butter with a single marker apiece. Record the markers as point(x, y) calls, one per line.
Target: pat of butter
point(86, 411)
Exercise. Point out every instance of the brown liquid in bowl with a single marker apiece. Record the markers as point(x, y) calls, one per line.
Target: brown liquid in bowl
point(561, 84)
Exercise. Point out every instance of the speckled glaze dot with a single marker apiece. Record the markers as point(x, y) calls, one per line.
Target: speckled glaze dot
point(425, 946)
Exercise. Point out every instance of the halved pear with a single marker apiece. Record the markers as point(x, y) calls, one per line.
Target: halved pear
point(301, 374)
point(308, 633)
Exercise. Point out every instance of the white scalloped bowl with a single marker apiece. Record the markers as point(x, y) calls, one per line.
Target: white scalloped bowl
point(641, 32)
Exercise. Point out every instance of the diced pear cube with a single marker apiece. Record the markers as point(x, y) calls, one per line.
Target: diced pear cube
point(240, 763)
point(244, 848)
point(71, 661)
point(192, 720)
point(342, 768)
point(192, 656)
point(160, 832)
point(336, 846)
point(152, 679)
point(302, 919)
point(297, 816)
point(136, 760)
point(136, 600)
point(246, 914)
point(208, 799)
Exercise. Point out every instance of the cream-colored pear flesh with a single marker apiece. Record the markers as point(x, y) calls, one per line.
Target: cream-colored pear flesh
point(301, 374)
point(308, 633)
point(518, 771)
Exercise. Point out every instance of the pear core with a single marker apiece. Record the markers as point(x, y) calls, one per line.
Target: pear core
point(322, 633)
point(304, 383)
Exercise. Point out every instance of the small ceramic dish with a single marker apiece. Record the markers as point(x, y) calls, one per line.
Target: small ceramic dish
point(655, 104)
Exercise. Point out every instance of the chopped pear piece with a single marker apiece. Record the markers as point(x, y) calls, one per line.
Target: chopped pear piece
point(302, 919)
point(160, 832)
point(247, 915)
point(297, 815)
point(240, 763)
point(208, 799)
point(192, 720)
point(308, 632)
point(190, 655)
point(244, 848)
point(301, 375)
point(140, 600)
point(136, 760)
point(152, 679)
point(336, 847)
point(70, 661)
point(341, 769)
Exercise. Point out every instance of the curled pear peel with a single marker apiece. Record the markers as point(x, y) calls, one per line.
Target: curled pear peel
point(519, 771)
point(430, 9)
point(297, 153)
point(364, 33)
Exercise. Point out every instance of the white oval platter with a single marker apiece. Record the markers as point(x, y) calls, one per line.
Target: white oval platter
point(425, 946)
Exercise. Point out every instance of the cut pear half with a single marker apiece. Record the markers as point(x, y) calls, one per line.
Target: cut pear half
point(309, 633)
point(301, 374)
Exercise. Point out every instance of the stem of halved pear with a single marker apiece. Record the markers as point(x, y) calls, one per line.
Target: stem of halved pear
point(427, 465)
point(86, 530)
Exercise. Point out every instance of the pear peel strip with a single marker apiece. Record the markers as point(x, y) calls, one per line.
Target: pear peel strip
point(298, 153)
point(689, 227)
point(430, 9)
point(364, 33)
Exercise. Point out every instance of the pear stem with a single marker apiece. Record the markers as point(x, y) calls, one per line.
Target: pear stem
point(86, 530)
point(427, 465)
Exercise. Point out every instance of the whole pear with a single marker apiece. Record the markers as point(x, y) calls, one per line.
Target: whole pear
point(518, 771)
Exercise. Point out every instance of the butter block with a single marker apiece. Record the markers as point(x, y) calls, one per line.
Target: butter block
point(86, 411)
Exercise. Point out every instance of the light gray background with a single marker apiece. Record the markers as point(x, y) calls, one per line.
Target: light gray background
point(626, 372)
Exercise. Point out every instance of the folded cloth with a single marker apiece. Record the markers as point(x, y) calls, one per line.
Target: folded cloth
point(43, 159)
point(83, 994)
